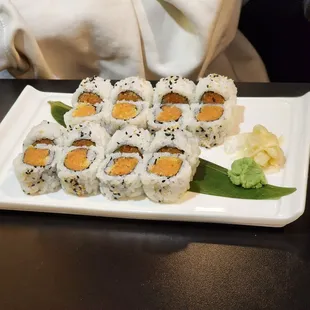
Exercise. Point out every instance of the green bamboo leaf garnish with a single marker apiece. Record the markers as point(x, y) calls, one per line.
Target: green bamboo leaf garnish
point(212, 179)
point(58, 110)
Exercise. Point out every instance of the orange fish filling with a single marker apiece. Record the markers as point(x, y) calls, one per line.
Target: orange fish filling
point(77, 160)
point(36, 157)
point(129, 96)
point(128, 149)
point(90, 98)
point(43, 141)
point(171, 150)
point(83, 142)
point(209, 113)
point(212, 97)
point(123, 166)
point(169, 114)
point(166, 166)
point(124, 111)
point(174, 98)
point(84, 110)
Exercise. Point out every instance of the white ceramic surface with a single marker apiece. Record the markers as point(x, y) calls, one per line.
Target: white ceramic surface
point(287, 117)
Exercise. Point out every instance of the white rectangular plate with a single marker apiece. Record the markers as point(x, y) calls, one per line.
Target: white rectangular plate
point(287, 117)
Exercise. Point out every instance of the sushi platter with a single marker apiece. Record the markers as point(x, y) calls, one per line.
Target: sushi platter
point(175, 151)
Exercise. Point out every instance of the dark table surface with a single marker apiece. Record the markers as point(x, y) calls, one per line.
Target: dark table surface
point(73, 262)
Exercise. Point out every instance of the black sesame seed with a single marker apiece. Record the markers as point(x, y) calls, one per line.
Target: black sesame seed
point(163, 181)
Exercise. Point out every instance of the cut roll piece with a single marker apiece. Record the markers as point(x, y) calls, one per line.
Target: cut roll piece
point(177, 142)
point(131, 139)
point(169, 115)
point(35, 170)
point(132, 89)
point(87, 134)
point(77, 168)
point(92, 90)
point(211, 123)
point(174, 89)
point(165, 177)
point(122, 114)
point(45, 133)
point(119, 176)
point(84, 112)
point(216, 89)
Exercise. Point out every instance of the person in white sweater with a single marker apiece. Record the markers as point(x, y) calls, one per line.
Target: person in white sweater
point(72, 39)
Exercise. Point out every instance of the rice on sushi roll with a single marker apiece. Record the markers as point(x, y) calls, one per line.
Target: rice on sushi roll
point(84, 112)
point(174, 89)
point(213, 112)
point(35, 170)
point(211, 123)
point(132, 89)
point(46, 133)
point(92, 90)
point(87, 134)
point(168, 115)
point(119, 176)
point(216, 89)
point(176, 141)
point(131, 139)
point(165, 177)
point(123, 113)
point(77, 168)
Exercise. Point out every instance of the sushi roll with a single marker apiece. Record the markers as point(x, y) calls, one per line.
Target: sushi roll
point(216, 89)
point(129, 140)
point(35, 170)
point(168, 115)
point(84, 112)
point(165, 177)
point(213, 112)
point(87, 134)
point(123, 113)
point(174, 89)
point(132, 89)
point(46, 133)
point(119, 176)
point(211, 123)
point(77, 168)
point(177, 142)
point(92, 90)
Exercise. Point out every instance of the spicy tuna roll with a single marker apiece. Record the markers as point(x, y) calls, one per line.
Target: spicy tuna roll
point(77, 168)
point(165, 177)
point(168, 115)
point(213, 112)
point(174, 89)
point(84, 112)
point(216, 89)
point(132, 89)
point(122, 114)
point(35, 170)
point(86, 134)
point(131, 139)
point(46, 133)
point(211, 123)
point(119, 176)
point(92, 90)
point(177, 142)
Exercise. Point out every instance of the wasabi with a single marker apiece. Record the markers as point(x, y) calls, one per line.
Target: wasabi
point(247, 173)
